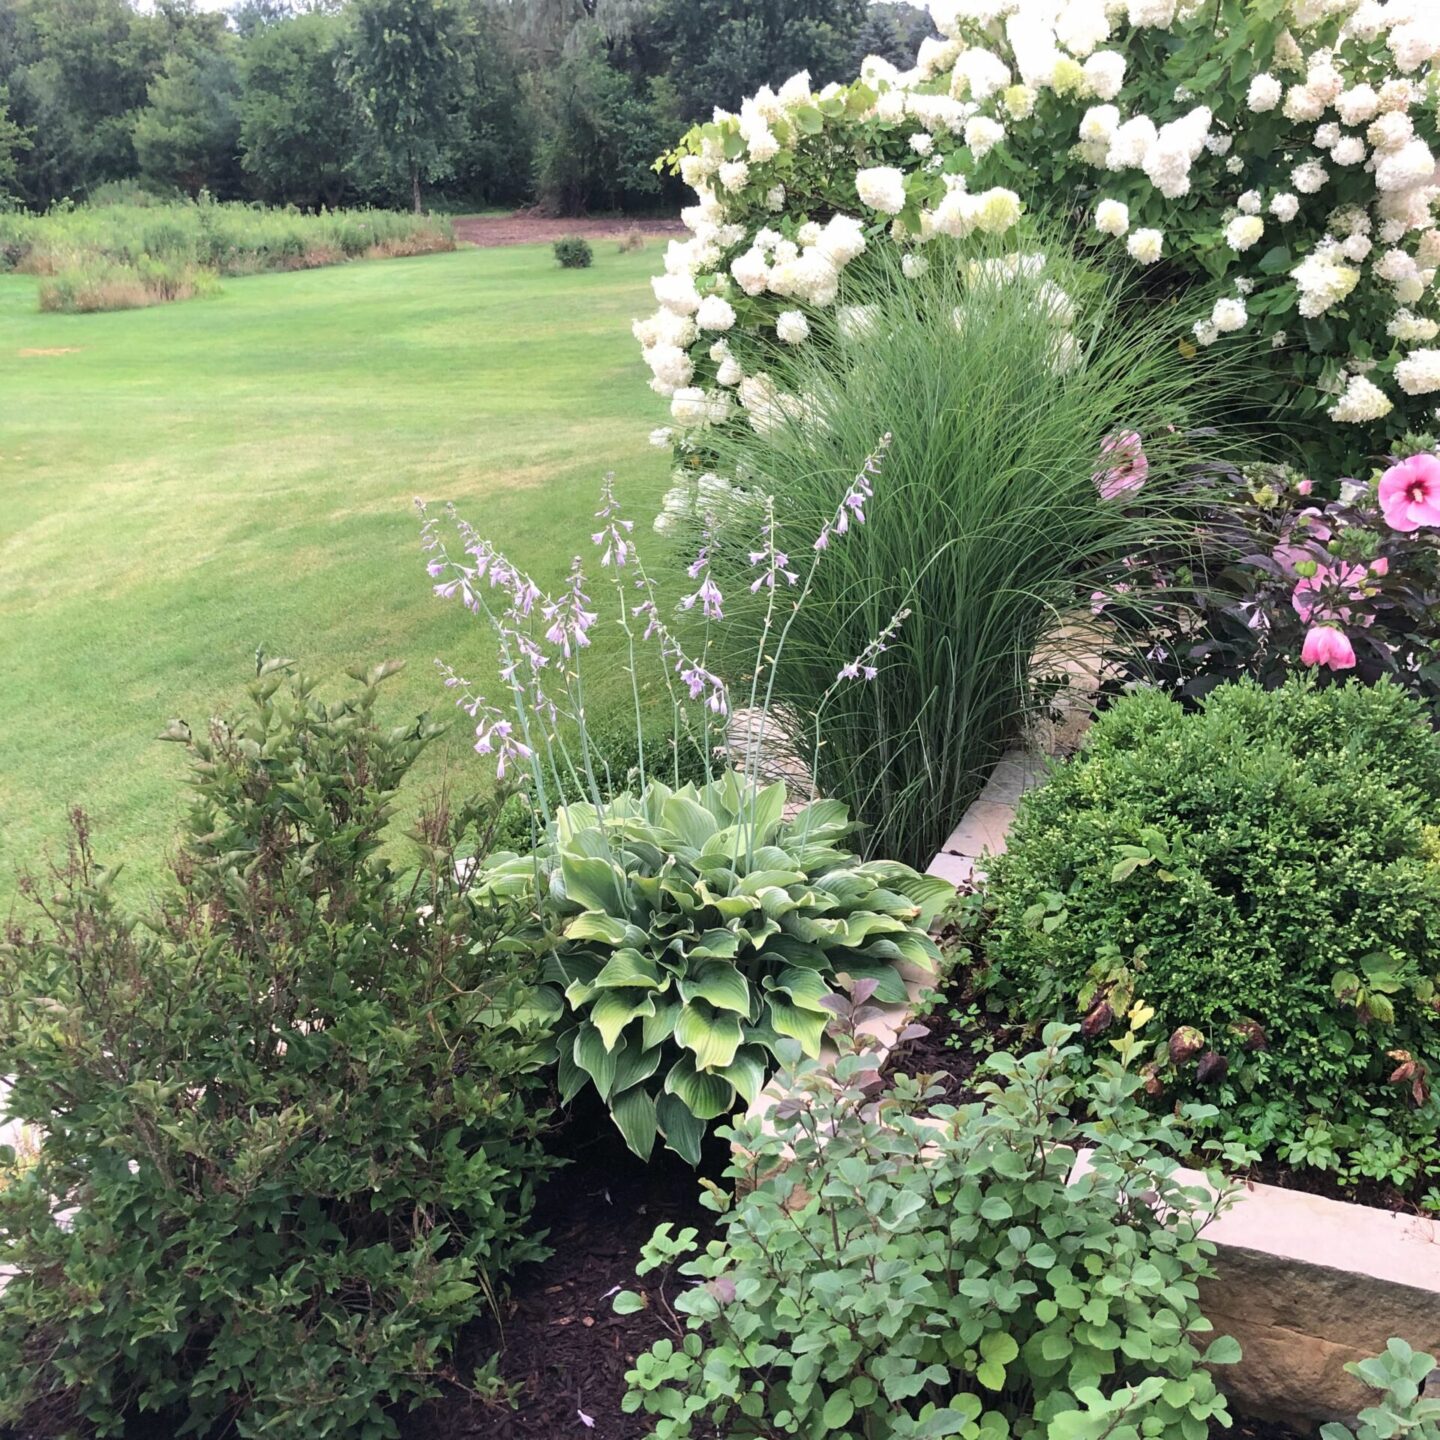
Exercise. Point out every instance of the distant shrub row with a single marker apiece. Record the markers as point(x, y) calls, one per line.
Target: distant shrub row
point(116, 257)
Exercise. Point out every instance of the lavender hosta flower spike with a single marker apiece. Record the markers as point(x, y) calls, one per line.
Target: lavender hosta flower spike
point(852, 503)
point(616, 549)
point(863, 666)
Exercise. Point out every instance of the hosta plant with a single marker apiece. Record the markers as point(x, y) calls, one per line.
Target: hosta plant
point(699, 929)
point(900, 1276)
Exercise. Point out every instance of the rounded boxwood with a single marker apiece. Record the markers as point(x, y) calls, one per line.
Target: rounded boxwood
point(1265, 875)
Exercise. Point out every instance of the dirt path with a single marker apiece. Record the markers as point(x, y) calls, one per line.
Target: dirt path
point(523, 228)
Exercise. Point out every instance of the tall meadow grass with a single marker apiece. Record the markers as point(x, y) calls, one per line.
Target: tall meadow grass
point(108, 257)
point(1000, 382)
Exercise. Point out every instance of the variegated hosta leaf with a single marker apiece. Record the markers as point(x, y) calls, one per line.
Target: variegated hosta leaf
point(712, 1036)
point(719, 983)
point(700, 935)
point(612, 1010)
point(708, 1095)
point(683, 1133)
point(634, 1114)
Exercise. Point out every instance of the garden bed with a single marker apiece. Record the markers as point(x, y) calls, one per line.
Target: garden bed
point(564, 1352)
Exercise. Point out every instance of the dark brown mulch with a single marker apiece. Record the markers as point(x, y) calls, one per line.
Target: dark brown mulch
point(526, 228)
point(564, 1349)
point(1374, 1193)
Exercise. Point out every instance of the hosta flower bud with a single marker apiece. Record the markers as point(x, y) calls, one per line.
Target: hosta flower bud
point(1185, 1044)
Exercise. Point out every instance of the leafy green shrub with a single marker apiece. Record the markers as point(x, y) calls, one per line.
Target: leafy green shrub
point(1266, 873)
point(899, 1279)
point(1397, 1374)
point(698, 928)
point(573, 252)
point(292, 1119)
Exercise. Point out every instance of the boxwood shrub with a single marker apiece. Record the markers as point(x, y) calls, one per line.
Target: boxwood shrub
point(1265, 875)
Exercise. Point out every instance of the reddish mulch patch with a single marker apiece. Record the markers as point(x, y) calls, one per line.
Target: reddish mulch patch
point(565, 1351)
point(526, 228)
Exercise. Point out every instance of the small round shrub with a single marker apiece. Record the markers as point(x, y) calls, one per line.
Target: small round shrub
point(1264, 872)
point(573, 252)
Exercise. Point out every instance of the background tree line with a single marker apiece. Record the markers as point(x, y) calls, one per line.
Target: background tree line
point(470, 102)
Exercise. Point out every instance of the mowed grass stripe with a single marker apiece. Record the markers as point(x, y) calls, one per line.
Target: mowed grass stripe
point(190, 481)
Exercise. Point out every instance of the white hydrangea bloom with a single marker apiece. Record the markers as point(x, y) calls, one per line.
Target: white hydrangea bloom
point(1160, 13)
point(914, 266)
point(689, 406)
point(751, 272)
point(677, 293)
point(1206, 332)
point(982, 135)
point(1112, 217)
point(1265, 93)
point(1131, 143)
point(842, 240)
point(1322, 282)
point(979, 74)
point(1358, 104)
point(1302, 103)
point(922, 142)
point(1285, 207)
point(1412, 329)
point(1099, 124)
point(1355, 248)
point(1250, 203)
point(1412, 164)
point(1309, 177)
point(670, 366)
point(1104, 74)
point(1146, 246)
point(1361, 403)
point(1243, 231)
point(792, 327)
point(1348, 150)
point(715, 313)
point(1081, 26)
point(854, 322)
point(882, 188)
point(1229, 315)
point(734, 175)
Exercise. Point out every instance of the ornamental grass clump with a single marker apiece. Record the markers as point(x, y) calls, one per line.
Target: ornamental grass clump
point(900, 1277)
point(1258, 884)
point(689, 928)
point(291, 1119)
point(1040, 444)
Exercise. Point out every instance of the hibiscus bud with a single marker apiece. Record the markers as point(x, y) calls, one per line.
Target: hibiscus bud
point(1211, 1069)
point(1098, 1021)
point(1154, 1085)
point(1186, 1043)
point(1250, 1034)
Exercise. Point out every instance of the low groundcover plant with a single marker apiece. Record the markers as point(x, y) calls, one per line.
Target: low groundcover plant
point(897, 1277)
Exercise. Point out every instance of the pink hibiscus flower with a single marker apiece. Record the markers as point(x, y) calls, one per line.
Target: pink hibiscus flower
point(1328, 646)
point(1410, 493)
point(1130, 473)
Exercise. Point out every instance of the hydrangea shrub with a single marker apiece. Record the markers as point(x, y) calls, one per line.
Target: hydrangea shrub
point(1273, 159)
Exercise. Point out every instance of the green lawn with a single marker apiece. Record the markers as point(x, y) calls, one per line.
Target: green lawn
point(191, 481)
